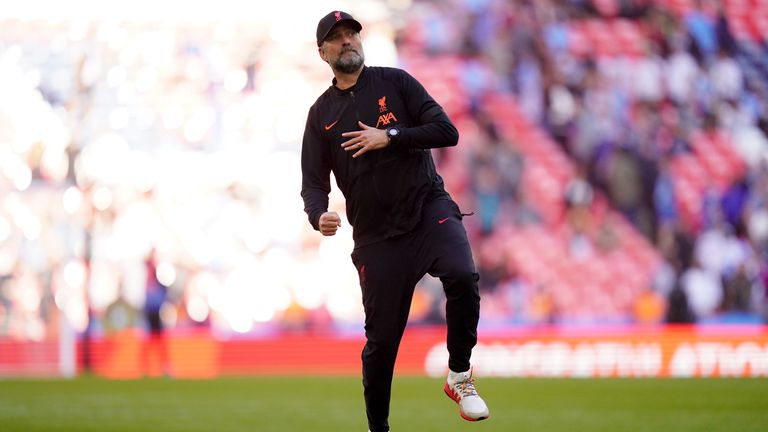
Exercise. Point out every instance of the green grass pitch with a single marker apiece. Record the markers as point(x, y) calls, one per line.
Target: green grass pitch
point(297, 404)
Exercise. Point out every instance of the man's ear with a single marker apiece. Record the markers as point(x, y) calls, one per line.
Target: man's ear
point(321, 52)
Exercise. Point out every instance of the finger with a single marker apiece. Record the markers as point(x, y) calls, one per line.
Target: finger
point(350, 142)
point(360, 152)
point(363, 125)
point(351, 134)
point(331, 220)
point(356, 146)
point(328, 225)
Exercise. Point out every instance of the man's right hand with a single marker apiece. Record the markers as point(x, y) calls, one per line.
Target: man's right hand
point(329, 223)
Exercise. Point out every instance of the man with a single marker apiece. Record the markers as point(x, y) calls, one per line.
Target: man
point(373, 129)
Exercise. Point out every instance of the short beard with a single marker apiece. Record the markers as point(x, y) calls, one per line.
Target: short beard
point(350, 65)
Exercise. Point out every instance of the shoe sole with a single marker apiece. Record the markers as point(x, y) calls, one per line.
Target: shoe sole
point(449, 393)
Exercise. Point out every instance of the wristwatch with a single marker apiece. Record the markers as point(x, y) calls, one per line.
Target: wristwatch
point(393, 133)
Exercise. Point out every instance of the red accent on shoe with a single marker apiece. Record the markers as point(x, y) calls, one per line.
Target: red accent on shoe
point(449, 392)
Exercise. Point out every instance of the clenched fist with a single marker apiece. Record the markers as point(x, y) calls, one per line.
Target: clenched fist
point(329, 223)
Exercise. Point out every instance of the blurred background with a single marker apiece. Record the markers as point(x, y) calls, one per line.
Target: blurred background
point(614, 152)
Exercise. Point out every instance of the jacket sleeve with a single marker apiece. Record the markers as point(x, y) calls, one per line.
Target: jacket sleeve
point(315, 172)
point(432, 128)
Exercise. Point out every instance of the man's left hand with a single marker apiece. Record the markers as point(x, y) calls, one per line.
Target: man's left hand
point(366, 139)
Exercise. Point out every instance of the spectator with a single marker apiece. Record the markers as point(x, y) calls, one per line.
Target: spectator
point(704, 290)
point(578, 203)
point(678, 309)
point(664, 198)
point(155, 348)
point(649, 307)
point(726, 77)
point(680, 72)
point(700, 22)
point(624, 182)
point(738, 291)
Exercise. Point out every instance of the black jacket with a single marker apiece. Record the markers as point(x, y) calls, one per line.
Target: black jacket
point(384, 189)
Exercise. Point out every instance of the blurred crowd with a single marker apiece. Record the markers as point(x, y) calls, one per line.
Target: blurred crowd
point(171, 148)
point(628, 110)
point(168, 152)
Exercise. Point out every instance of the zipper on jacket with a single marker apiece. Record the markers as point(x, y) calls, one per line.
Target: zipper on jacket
point(371, 155)
point(354, 105)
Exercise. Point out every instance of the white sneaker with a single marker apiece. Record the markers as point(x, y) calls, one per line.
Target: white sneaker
point(460, 386)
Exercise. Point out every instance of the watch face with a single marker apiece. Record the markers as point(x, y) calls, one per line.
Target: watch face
point(393, 131)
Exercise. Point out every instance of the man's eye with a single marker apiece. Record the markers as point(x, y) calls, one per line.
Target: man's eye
point(337, 36)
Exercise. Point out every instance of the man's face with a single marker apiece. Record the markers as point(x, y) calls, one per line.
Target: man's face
point(343, 49)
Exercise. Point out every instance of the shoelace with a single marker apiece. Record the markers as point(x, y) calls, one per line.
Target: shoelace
point(465, 388)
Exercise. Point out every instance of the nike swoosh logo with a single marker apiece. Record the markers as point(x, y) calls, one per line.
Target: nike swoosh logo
point(442, 221)
point(328, 127)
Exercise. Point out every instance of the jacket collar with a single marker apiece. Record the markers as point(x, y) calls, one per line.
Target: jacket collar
point(362, 79)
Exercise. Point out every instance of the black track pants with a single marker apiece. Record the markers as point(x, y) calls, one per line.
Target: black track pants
point(389, 271)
